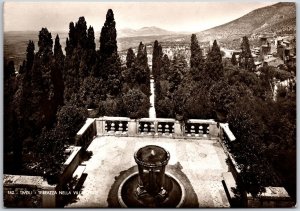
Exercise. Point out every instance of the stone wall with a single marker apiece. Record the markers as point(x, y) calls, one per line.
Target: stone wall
point(70, 165)
point(22, 191)
point(274, 197)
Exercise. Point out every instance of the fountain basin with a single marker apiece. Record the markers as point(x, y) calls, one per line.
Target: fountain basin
point(128, 198)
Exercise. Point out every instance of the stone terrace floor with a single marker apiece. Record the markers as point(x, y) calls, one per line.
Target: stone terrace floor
point(202, 161)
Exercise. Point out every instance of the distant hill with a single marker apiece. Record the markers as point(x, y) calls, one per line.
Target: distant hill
point(280, 17)
point(145, 31)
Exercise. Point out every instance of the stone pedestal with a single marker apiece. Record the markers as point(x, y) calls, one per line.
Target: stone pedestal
point(178, 129)
point(132, 128)
point(214, 130)
point(100, 126)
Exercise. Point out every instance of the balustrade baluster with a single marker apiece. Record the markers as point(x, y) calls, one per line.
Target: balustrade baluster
point(152, 129)
point(205, 130)
point(106, 127)
point(120, 127)
point(112, 128)
point(159, 128)
point(167, 129)
point(192, 130)
point(200, 130)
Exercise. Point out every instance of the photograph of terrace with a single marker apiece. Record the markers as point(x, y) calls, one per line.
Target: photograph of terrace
point(149, 105)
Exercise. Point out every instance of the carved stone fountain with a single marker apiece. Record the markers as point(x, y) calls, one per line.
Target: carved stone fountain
point(151, 186)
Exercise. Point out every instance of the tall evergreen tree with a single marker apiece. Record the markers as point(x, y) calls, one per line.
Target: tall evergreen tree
point(129, 74)
point(43, 111)
point(233, 59)
point(81, 32)
point(196, 60)
point(177, 73)
point(108, 37)
point(130, 58)
point(214, 66)
point(142, 69)
point(246, 60)
point(109, 67)
point(156, 60)
point(91, 39)
point(56, 74)
point(165, 69)
point(58, 53)
point(80, 58)
point(29, 55)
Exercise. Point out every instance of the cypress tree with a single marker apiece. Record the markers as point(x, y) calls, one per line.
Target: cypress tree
point(130, 58)
point(109, 66)
point(80, 58)
point(142, 69)
point(246, 60)
point(43, 111)
point(129, 73)
point(165, 69)
point(233, 59)
point(56, 74)
point(156, 60)
point(29, 55)
point(214, 66)
point(196, 60)
point(91, 39)
point(58, 53)
point(81, 33)
point(108, 37)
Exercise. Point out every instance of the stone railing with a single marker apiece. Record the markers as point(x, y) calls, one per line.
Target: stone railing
point(70, 164)
point(113, 126)
point(201, 128)
point(86, 134)
point(124, 126)
point(156, 126)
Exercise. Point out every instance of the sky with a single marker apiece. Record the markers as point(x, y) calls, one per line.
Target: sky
point(173, 16)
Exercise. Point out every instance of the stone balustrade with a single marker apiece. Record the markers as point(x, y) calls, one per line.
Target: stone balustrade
point(123, 126)
point(201, 128)
point(113, 125)
point(86, 134)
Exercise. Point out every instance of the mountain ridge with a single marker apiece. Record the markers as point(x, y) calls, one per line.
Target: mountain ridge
point(144, 31)
point(269, 19)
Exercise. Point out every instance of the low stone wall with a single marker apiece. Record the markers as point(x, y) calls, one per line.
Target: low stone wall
point(22, 191)
point(86, 134)
point(274, 197)
point(70, 165)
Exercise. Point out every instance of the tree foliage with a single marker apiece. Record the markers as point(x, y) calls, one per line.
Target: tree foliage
point(136, 104)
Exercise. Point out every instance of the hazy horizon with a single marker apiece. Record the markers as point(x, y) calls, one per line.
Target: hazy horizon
point(172, 16)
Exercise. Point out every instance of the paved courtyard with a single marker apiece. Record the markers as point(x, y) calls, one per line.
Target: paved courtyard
point(202, 161)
